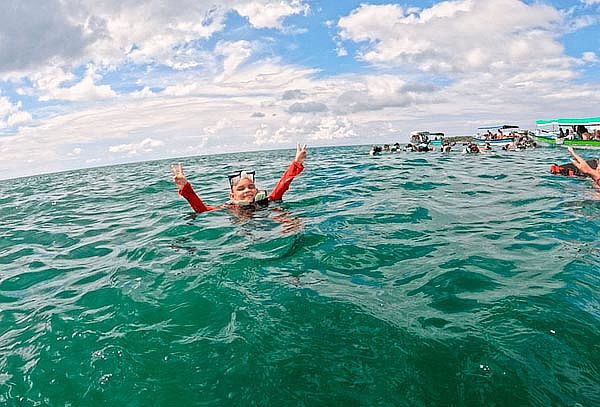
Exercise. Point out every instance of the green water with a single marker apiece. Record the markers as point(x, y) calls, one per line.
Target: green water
point(403, 280)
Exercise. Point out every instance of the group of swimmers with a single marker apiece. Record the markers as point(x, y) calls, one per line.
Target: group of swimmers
point(386, 147)
point(244, 194)
point(520, 142)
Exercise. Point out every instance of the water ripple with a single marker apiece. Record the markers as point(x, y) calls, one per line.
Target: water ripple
point(406, 279)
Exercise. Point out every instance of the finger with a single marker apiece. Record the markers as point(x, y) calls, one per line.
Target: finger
point(304, 148)
point(180, 169)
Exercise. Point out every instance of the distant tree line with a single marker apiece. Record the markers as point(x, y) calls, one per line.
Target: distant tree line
point(460, 139)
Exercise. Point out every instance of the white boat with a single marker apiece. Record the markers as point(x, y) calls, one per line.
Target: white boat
point(500, 134)
point(422, 140)
point(581, 133)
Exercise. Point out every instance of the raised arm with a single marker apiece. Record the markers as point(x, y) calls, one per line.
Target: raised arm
point(288, 176)
point(584, 167)
point(186, 190)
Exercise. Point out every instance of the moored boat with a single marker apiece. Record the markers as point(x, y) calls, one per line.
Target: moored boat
point(583, 132)
point(436, 139)
point(501, 134)
point(420, 141)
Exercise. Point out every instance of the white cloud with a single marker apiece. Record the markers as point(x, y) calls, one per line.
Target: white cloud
point(18, 118)
point(266, 76)
point(307, 107)
point(86, 89)
point(332, 128)
point(265, 135)
point(307, 128)
point(145, 146)
point(234, 54)
point(217, 127)
point(145, 92)
point(589, 57)
point(75, 152)
point(11, 114)
point(341, 51)
point(269, 14)
point(293, 94)
point(240, 102)
point(35, 34)
point(376, 92)
point(218, 117)
point(459, 37)
point(111, 33)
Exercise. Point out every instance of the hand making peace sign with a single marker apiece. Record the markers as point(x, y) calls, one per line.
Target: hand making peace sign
point(300, 154)
point(178, 177)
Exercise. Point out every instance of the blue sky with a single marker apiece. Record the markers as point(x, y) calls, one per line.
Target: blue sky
point(97, 82)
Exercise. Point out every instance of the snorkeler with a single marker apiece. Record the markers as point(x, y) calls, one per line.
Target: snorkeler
point(375, 150)
point(446, 146)
point(244, 193)
point(586, 167)
point(472, 148)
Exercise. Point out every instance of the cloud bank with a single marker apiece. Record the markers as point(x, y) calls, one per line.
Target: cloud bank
point(116, 81)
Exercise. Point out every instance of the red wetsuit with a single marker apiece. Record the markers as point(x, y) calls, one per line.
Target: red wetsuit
point(282, 186)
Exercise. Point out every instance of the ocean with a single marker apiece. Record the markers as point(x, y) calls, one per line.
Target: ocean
point(408, 279)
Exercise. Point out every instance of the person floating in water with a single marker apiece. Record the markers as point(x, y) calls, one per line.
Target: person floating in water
point(375, 150)
point(472, 148)
point(446, 146)
point(586, 168)
point(244, 193)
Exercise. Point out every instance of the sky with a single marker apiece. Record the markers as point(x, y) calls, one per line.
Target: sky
point(87, 83)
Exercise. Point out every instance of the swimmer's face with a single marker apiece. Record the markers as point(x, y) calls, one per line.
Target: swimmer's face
point(244, 190)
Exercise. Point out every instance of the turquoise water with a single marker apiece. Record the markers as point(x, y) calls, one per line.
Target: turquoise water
point(402, 280)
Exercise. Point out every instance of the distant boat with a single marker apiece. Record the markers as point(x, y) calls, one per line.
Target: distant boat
point(568, 132)
point(434, 138)
point(495, 134)
point(421, 141)
point(419, 136)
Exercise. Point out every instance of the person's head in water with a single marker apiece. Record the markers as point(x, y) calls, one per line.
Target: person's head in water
point(242, 187)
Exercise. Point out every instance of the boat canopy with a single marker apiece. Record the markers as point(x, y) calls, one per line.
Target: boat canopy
point(590, 121)
point(499, 127)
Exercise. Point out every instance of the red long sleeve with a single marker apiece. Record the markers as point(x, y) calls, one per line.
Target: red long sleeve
point(195, 202)
point(283, 185)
